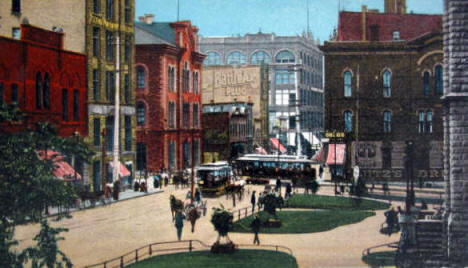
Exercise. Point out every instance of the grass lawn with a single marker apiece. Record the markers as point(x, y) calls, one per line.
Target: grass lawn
point(333, 202)
point(205, 259)
point(296, 222)
point(384, 258)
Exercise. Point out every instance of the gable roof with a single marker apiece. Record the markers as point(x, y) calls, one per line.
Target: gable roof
point(410, 26)
point(155, 33)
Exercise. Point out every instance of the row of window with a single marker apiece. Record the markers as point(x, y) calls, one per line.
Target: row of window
point(310, 98)
point(387, 82)
point(172, 154)
point(111, 9)
point(424, 123)
point(110, 86)
point(110, 132)
point(111, 45)
point(141, 114)
point(239, 58)
point(238, 130)
point(311, 120)
point(311, 78)
point(188, 84)
point(65, 105)
point(311, 61)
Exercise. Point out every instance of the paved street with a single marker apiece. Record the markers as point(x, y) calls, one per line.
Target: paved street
point(105, 232)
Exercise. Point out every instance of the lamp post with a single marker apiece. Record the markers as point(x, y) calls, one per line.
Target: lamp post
point(409, 201)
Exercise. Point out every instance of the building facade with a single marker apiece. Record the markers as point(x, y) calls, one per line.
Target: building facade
point(169, 77)
point(46, 82)
point(92, 27)
point(295, 67)
point(226, 87)
point(387, 92)
point(228, 131)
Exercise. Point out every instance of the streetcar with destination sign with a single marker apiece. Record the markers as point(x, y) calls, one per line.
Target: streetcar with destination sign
point(213, 178)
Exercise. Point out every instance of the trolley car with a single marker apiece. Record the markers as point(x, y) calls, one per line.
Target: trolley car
point(259, 168)
point(214, 177)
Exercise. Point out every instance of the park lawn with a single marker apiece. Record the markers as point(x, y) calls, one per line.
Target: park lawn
point(243, 258)
point(383, 258)
point(297, 222)
point(333, 202)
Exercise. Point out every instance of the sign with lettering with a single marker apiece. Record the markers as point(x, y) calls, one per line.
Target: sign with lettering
point(330, 134)
point(399, 174)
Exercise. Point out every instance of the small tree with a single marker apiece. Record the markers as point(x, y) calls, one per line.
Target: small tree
point(222, 221)
point(271, 203)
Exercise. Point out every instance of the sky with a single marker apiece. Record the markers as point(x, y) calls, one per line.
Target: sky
point(282, 17)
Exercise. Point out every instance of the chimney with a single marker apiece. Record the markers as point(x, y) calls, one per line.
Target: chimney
point(149, 18)
point(364, 22)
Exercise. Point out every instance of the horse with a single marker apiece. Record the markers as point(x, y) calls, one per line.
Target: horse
point(92, 197)
point(176, 205)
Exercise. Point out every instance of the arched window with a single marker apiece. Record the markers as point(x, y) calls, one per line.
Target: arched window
point(259, 57)
point(348, 119)
point(213, 59)
point(236, 58)
point(387, 122)
point(46, 91)
point(141, 114)
point(141, 77)
point(38, 91)
point(348, 89)
point(429, 122)
point(439, 80)
point(285, 57)
point(426, 83)
point(387, 84)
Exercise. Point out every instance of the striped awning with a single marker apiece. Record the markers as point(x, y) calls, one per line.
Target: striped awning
point(63, 170)
point(336, 154)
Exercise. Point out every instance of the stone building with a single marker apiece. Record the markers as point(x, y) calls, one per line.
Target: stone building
point(225, 134)
point(240, 84)
point(295, 70)
point(384, 87)
point(91, 27)
point(169, 77)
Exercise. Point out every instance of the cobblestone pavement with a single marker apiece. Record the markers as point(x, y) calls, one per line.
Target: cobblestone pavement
point(106, 232)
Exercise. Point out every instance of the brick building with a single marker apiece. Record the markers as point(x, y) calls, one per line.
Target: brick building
point(383, 88)
point(168, 67)
point(227, 131)
point(47, 82)
point(91, 27)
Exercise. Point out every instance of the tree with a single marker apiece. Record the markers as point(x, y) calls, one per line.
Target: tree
point(27, 184)
point(222, 221)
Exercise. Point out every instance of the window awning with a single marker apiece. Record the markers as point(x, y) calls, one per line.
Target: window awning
point(336, 154)
point(123, 170)
point(319, 156)
point(63, 170)
point(261, 150)
point(276, 143)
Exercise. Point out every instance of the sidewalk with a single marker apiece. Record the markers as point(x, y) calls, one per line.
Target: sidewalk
point(125, 195)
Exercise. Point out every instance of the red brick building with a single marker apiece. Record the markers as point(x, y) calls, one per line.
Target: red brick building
point(168, 105)
point(45, 81)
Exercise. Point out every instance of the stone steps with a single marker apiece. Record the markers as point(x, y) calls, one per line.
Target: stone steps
point(429, 238)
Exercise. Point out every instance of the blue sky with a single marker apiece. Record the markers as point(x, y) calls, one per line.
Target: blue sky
point(283, 17)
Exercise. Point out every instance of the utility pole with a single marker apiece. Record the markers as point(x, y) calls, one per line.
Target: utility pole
point(357, 116)
point(116, 164)
point(178, 9)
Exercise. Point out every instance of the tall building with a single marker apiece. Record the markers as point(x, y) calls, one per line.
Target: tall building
point(295, 67)
point(169, 77)
point(395, 6)
point(91, 27)
point(383, 91)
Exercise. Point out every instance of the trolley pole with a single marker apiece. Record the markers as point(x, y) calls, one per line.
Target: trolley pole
point(192, 175)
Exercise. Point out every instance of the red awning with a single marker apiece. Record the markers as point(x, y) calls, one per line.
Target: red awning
point(336, 154)
point(123, 171)
point(63, 170)
point(276, 143)
point(319, 156)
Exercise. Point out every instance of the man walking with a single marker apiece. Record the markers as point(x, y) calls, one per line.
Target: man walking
point(252, 201)
point(256, 223)
point(278, 186)
point(179, 223)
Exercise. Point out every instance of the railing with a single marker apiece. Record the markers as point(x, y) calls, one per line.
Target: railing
point(174, 246)
point(242, 212)
point(367, 251)
point(150, 250)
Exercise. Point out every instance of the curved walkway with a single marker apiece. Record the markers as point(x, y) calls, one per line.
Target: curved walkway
point(103, 233)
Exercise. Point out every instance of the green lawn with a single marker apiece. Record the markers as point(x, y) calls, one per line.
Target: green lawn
point(296, 222)
point(205, 259)
point(333, 202)
point(384, 258)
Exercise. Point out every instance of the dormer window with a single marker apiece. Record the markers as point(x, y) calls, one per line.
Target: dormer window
point(396, 35)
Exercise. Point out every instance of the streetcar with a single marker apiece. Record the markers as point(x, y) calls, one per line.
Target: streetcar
point(258, 168)
point(214, 177)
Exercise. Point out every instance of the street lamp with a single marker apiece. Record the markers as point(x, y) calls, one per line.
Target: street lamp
point(410, 197)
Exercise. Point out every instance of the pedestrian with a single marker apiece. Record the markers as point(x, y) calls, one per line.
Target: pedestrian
point(256, 223)
point(260, 201)
point(136, 186)
point(321, 172)
point(197, 196)
point(278, 185)
point(156, 181)
point(288, 191)
point(179, 223)
point(252, 201)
